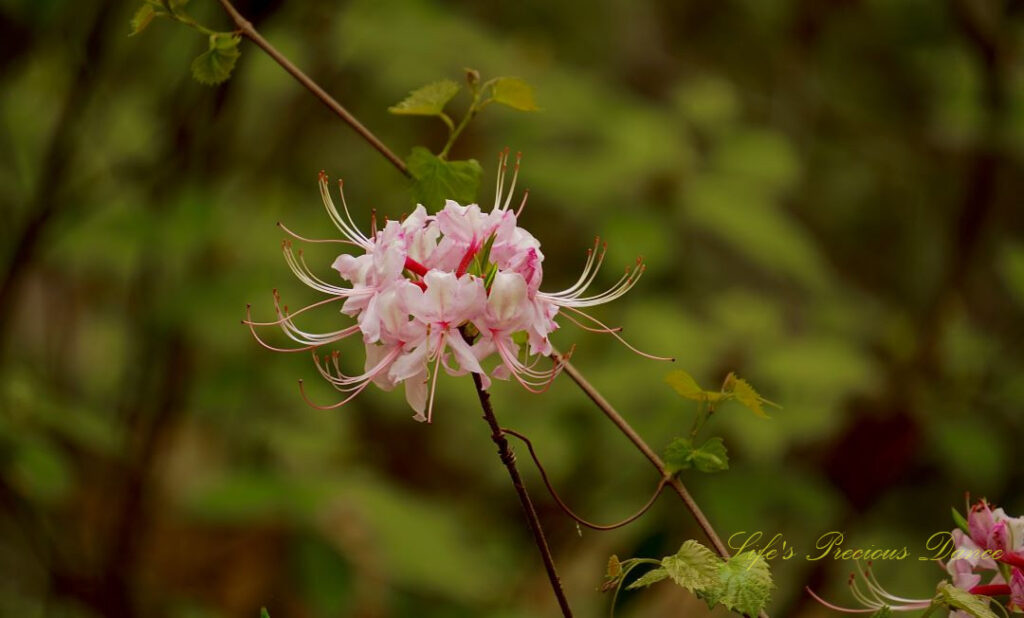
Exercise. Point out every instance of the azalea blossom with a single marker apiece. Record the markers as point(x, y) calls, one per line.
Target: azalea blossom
point(453, 291)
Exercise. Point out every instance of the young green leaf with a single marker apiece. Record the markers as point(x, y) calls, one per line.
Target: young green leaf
point(650, 577)
point(693, 567)
point(264, 613)
point(960, 521)
point(436, 180)
point(956, 598)
point(428, 100)
point(685, 385)
point(515, 93)
point(142, 18)
point(744, 584)
point(711, 456)
point(747, 396)
point(215, 64)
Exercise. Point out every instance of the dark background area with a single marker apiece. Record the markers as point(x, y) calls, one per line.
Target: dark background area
point(828, 195)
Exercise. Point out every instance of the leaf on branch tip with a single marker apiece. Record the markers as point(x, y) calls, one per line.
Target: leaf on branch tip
point(515, 93)
point(264, 613)
point(744, 584)
point(955, 598)
point(693, 567)
point(436, 180)
point(711, 456)
point(142, 18)
point(650, 577)
point(687, 387)
point(747, 396)
point(428, 100)
point(215, 64)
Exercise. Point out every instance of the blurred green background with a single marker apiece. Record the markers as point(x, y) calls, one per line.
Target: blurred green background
point(828, 195)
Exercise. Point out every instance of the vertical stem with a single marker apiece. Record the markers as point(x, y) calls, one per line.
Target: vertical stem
point(509, 459)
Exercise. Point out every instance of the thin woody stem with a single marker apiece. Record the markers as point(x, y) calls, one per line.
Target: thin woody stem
point(509, 459)
point(246, 28)
point(565, 507)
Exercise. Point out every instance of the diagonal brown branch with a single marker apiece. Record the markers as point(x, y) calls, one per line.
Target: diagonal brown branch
point(246, 28)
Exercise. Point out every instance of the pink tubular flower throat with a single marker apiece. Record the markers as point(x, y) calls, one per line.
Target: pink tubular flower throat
point(415, 286)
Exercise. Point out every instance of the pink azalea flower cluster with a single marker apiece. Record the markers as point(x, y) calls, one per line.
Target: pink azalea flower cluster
point(420, 287)
point(992, 545)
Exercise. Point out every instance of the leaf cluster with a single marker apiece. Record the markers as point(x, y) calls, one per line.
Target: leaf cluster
point(435, 178)
point(742, 584)
point(710, 455)
point(213, 66)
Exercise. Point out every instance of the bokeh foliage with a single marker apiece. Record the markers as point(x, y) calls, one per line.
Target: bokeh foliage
point(828, 196)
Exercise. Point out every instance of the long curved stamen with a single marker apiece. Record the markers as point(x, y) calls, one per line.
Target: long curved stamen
point(361, 381)
point(838, 608)
point(341, 381)
point(439, 352)
point(248, 322)
point(282, 318)
point(615, 333)
point(512, 185)
point(305, 274)
point(532, 380)
point(348, 228)
point(522, 204)
point(315, 240)
point(348, 214)
point(499, 187)
point(588, 274)
point(621, 287)
point(873, 583)
point(590, 329)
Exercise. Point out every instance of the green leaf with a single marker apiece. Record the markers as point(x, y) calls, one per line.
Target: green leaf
point(650, 577)
point(711, 456)
point(264, 613)
point(215, 65)
point(960, 521)
point(956, 598)
point(685, 385)
point(436, 180)
point(885, 612)
point(746, 395)
point(744, 584)
point(428, 100)
point(141, 19)
point(693, 567)
point(515, 93)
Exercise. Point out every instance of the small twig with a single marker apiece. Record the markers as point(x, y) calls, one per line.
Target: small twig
point(568, 511)
point(246, 28)
point(509, 459)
